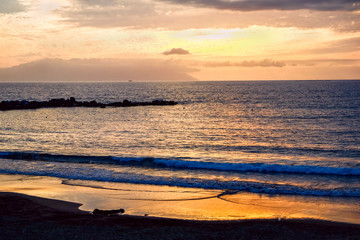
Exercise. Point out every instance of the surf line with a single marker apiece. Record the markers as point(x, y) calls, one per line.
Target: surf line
point(219, 196)
point(68, 182)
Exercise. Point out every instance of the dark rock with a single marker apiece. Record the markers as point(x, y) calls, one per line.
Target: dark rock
point(127, 103)
point(93, 103)
point(71, 102)
point(108, 212)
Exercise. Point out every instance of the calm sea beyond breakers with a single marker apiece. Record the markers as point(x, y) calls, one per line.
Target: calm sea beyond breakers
point(241, 143)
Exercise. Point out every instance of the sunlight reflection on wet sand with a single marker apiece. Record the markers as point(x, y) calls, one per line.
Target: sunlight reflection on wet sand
point(184, 203)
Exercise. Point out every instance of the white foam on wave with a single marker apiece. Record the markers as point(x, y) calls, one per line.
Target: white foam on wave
point(290, 167)
point(249, 167)
point(80, 172)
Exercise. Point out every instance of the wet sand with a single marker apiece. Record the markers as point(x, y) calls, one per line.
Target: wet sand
point(183, 203)
point(28, 210)
point(27, 217)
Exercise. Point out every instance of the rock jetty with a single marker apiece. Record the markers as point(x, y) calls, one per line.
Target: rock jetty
point(71, 102)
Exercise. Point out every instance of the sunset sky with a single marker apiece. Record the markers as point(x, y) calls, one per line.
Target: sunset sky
point(147, 40)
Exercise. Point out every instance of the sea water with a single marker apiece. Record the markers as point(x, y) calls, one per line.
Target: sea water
point(288, 138)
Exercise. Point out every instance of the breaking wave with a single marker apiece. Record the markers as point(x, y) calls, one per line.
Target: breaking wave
point(95, 174)
point(186, 164)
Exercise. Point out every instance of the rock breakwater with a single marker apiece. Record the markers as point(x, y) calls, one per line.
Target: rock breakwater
point(72, 102)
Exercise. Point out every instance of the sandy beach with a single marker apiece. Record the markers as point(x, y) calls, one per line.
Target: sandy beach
point(182, 203)
point(28, 217)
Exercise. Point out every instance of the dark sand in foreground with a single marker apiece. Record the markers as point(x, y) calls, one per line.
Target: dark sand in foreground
point(28, 217)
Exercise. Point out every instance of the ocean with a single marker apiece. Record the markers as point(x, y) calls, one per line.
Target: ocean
point(283, 138)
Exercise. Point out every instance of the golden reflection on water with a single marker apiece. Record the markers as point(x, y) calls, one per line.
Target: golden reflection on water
point(185, 203)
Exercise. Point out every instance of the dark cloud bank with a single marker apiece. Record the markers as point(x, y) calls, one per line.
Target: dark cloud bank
point(96, 70)
point(142, 14)
point(256, 5)
point(10, 6)
point(253, 5)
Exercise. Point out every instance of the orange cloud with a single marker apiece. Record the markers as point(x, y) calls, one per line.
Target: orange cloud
point(262, 63)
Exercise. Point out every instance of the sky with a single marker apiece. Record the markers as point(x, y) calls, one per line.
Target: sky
point(179, 40)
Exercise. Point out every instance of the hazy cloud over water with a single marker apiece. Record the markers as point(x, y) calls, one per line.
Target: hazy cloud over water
point(97, 70)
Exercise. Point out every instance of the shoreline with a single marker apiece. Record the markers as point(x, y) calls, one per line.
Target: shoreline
point(181, 203)
point(21, 215)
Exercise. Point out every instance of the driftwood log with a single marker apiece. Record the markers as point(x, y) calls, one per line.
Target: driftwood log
point(107, 212)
